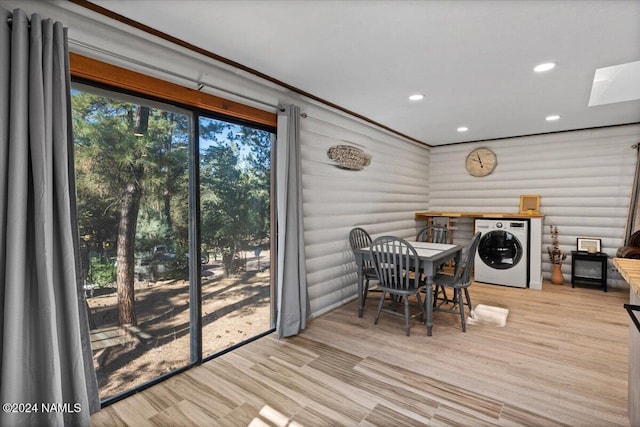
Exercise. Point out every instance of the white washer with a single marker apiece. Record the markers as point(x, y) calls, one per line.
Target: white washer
point(503, 252)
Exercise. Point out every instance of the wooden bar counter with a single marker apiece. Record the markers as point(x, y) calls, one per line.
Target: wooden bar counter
point(630, 270)
point(431, 214)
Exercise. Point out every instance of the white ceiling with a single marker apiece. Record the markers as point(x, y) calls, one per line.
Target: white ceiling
point(473, 60)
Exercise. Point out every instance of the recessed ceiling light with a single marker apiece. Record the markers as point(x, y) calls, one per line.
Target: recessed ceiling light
point(552, 118)
point(462, 129)
point(544, 67)
point(416, 97)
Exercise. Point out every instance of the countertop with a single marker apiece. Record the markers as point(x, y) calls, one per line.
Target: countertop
point(430, 214)
point(630, 270)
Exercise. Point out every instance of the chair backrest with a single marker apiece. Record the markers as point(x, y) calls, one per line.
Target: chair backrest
point(359, 238)
point(465, 267)
point(433, 234)
point(392, 259)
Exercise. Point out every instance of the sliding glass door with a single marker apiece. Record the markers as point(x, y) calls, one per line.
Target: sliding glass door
point(235, 178)
point(135, 173)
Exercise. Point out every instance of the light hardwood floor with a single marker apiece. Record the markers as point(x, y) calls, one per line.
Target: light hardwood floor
point(562, 359)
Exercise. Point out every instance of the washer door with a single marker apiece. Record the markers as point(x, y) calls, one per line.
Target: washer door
point(500, 249)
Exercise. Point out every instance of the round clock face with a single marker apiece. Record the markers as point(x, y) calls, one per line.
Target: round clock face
point(481, 162)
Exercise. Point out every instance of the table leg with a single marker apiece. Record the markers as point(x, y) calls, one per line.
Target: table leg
point(359, 261)
point(428, 301)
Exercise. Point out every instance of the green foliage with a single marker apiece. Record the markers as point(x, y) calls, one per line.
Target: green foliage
point(152, 230)
point(178, 267)
point(109, 156)
point(235, 168)
point(102, 272)
point(235, 183)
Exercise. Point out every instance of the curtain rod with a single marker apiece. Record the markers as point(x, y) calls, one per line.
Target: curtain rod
point(199, 84)
point(10, 22)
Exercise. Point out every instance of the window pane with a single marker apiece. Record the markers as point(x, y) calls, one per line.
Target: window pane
point(235, 177)
point(132, 185)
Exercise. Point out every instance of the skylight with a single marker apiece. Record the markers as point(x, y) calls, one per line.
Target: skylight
point(617, 83)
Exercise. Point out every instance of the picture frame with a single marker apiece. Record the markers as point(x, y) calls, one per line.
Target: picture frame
point(530, 204)
point(588, 244)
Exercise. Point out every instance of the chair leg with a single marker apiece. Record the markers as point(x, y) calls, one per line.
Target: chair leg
point(394, 301)
point(375, 322)
point(444, 294)
point(406, 316)
point(422, 306)
point(439, 289)
point(466, 293)
point(461, 308)
point(366, 289)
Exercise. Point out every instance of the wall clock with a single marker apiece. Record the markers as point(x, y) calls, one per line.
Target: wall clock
point(481, 162)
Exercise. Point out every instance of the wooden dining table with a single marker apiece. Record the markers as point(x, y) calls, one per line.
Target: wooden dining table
point(431, 257)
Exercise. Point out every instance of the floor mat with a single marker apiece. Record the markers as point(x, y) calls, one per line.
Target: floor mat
point(488, 315)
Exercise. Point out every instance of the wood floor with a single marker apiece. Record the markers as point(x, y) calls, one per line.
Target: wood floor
point(562, 359)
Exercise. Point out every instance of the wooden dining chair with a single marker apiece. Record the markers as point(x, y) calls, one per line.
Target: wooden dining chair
point(358, 239)
point(393, 260)
point(459, 282)
point(435, 233)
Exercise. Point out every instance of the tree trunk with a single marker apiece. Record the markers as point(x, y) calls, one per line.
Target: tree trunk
point(140, 120)
point(167, 191)
point(129, 207)
point(228, 259)
point(125, 258)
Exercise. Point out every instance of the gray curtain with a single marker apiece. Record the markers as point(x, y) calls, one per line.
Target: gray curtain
point(292, 301)
point(633, 217)
point(45, 354)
